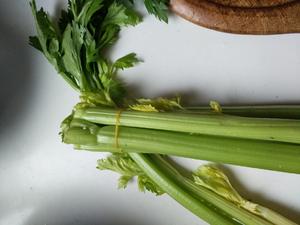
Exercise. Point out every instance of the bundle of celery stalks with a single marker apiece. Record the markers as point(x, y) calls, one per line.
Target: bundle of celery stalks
point(141, 133)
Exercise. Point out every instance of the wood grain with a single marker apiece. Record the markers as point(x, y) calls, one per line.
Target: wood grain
point(242, 16)
point(251, 3)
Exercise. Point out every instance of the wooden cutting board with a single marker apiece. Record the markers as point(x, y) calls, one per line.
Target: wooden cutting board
point(242, 16)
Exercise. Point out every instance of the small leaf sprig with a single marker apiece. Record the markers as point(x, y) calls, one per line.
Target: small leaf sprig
point(123, 164)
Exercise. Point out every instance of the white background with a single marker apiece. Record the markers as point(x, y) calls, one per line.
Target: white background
point(46, 182)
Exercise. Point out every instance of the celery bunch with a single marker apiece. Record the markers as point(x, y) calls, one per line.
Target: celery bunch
point(142, 132)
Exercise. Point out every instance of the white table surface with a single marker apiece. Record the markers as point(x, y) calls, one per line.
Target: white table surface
point(46, 182)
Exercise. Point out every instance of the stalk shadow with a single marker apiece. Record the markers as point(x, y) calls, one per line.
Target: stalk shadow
point(187, 98)
point(180, 168)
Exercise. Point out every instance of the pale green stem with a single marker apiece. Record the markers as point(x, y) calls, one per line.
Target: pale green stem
point(263, 111)
point(283, 130)
point(253, 153)
point(207, 203)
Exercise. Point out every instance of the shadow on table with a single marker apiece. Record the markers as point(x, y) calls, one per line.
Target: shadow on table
point(81, 206)
point(15, 74)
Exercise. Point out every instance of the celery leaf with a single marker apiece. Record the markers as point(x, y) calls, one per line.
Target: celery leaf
point(123, 164)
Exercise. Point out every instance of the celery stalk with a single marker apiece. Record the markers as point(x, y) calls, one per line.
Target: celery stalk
point(283, 130)
point(261, 111)
point(207, 205)
point(200, 208)
point(276, 156)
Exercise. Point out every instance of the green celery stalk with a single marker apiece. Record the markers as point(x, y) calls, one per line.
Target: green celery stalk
point(276, 156)
point(263, 111)
point(202, 192)
point(202, 202)
point(282, 130)
point(200, 208)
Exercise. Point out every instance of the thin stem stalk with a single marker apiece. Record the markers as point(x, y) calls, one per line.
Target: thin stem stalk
point(208, 205)
point(267, 111)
